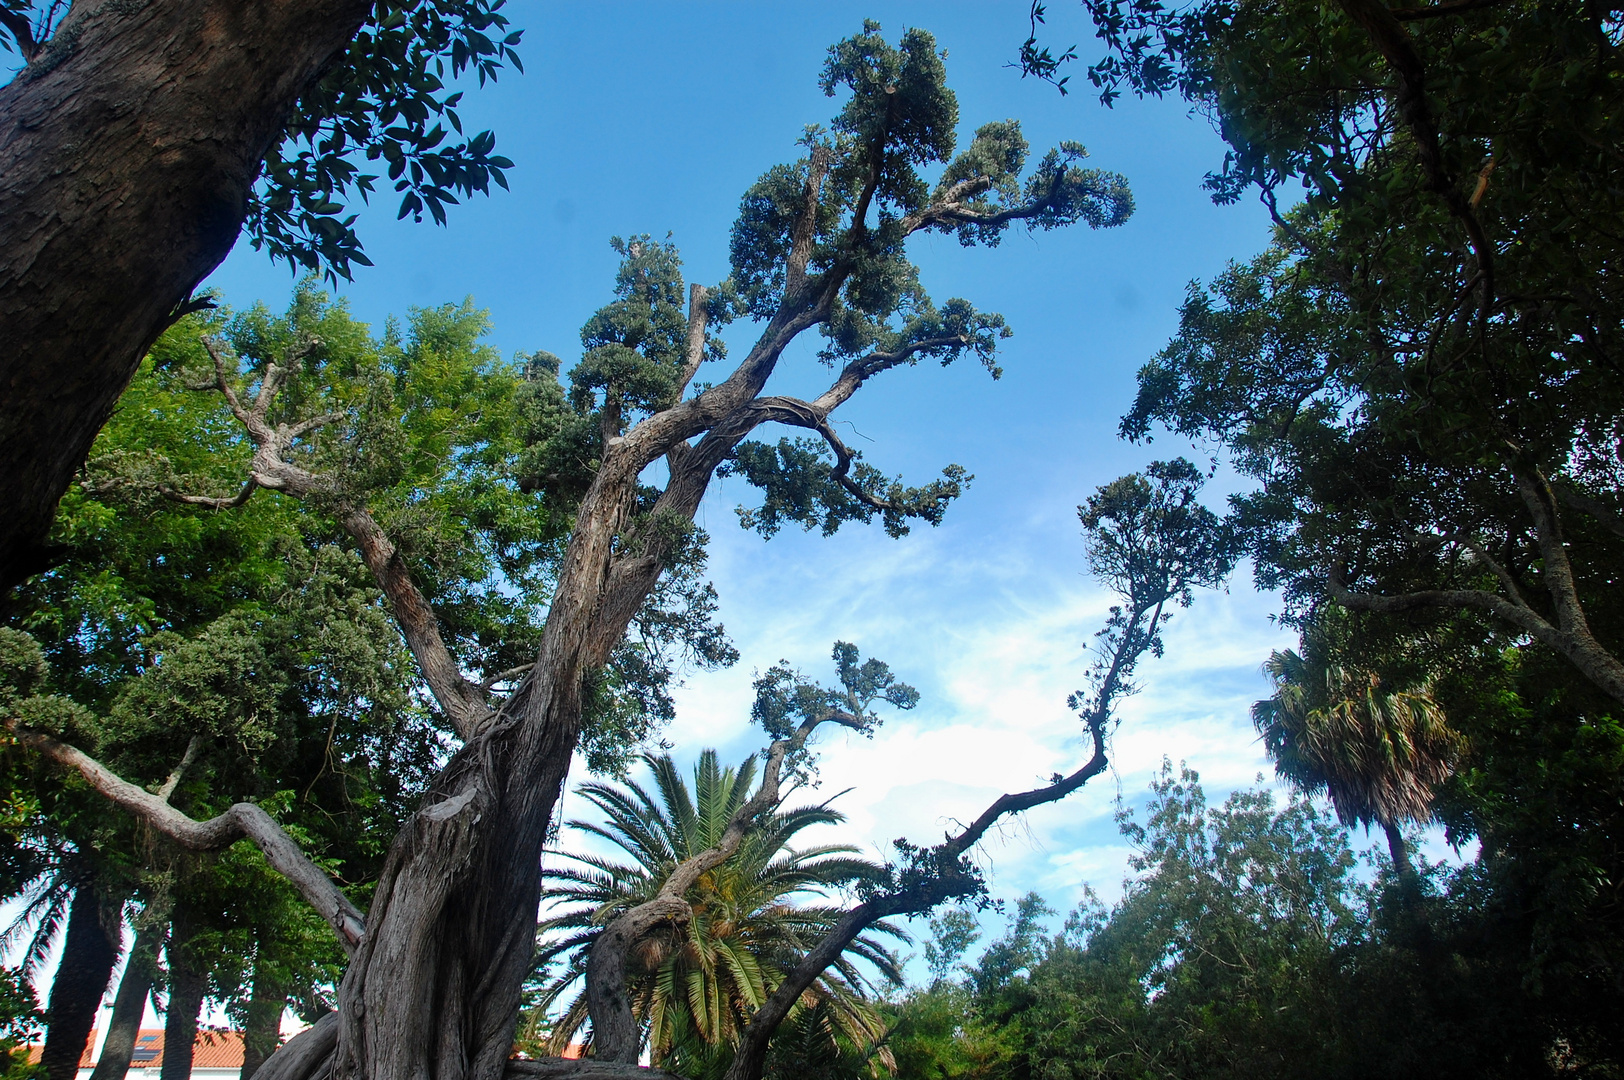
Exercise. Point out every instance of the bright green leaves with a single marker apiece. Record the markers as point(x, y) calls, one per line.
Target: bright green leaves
point(801, 483)
point(386, 101)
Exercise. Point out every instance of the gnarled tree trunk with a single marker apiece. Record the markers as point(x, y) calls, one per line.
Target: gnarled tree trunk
point(433, 989)
point(88, 955)
point(127, 151)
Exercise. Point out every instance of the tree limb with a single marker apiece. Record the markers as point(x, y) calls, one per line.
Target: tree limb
point(750, 1057)
point(462, 701)
point(219, 832)
point(1579, 647)
point(172, 781)
point(1398, 49)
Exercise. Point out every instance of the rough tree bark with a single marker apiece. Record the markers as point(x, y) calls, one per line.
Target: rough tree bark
point(128, 147)
point(89, 953)
point(129, 1006)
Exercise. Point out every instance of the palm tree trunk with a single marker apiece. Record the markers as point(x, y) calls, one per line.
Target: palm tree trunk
point(263, 1028)
point(129, 1007)
point(186, 987)
point(1409, 882)
point(88, 956)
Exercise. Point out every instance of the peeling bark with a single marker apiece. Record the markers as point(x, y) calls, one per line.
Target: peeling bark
point(128, 148)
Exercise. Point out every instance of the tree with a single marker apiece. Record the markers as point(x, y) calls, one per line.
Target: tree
point(1419, 370)
point(1377, 747)
point(819, 244)
point(137, 142)
point(704, 979)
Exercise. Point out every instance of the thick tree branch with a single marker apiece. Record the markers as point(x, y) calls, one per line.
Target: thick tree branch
point(1604, 515)
point(462, 701)
point(806, 223)
point(1398, 49)
point(1557, 572)
point(1593, 661)
point(616, 1035)
point(241, 820)
point(698, 319)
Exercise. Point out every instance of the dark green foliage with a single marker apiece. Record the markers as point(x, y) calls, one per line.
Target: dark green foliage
point(797, 479)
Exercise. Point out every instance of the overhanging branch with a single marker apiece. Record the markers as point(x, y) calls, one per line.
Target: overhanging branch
point(219, 832)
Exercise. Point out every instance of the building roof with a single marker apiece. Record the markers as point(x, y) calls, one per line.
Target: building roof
point(210, 1050)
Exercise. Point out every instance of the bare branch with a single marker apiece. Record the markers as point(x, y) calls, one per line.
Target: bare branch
point(222, 382)
point(1579, 647)
point(698, 319)
point(167, 789)
point(1598, 510)
point(806, 223)
point(213, 503)
point(241, 820)
point(750, 1058)
point(462, 701)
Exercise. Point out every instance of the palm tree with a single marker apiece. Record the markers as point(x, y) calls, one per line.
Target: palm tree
point(694, 986)
point(1376, 746)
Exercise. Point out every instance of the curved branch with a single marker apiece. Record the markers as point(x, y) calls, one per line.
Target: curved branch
point(213, 503)
point(1578, 646)
point(219, 832)
point(616, 1035)
point(463, 702)
point(750, 1058)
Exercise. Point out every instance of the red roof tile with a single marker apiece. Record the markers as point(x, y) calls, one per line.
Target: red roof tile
point(211, 1050)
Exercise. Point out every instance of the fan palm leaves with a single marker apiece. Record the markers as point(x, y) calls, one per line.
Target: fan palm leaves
point(1377, 746)
point(699, 983)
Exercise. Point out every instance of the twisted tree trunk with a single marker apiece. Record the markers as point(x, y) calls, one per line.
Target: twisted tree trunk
point(88, 955)
point(128, 147)
point(433, 989)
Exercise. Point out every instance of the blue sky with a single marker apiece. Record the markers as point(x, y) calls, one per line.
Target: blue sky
point(642, 117)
